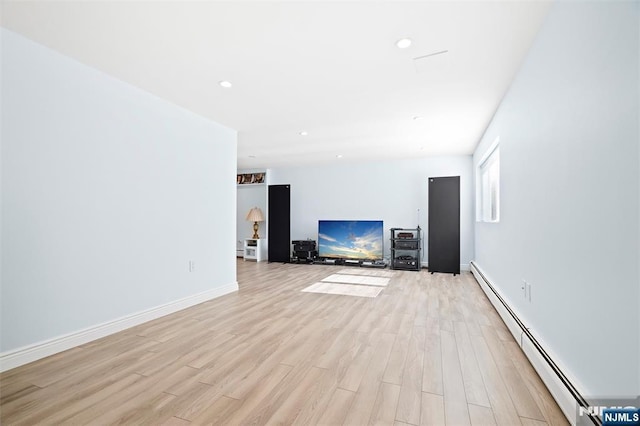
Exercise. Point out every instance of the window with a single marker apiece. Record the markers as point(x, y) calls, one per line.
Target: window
point(488, 181)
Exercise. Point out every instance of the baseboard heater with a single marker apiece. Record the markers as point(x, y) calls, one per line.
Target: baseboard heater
point(564, 392)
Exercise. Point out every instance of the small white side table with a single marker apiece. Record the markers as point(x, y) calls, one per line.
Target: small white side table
point(254, 249)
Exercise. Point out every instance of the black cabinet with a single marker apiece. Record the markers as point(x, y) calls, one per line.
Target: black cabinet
point(444, 224)
point(405, 248)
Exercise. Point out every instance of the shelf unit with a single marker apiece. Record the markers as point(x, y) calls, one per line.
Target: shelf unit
point(254, 249)
point(406, 248)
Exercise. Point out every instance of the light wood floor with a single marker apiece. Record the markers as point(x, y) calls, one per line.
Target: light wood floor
point(429, 349)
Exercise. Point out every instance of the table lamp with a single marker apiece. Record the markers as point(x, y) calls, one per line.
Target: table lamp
point(255, 215)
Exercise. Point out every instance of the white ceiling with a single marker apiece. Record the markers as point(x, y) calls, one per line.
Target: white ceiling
point(328, 68)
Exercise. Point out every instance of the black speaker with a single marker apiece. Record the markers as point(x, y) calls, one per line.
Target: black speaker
point(444, 224)
point(279, 224)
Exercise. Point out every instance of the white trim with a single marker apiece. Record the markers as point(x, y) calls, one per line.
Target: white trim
point(26, 354)
point(560, 393)
point(489, 151)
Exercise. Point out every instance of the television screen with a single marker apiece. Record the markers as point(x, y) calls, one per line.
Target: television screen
point(350, 239)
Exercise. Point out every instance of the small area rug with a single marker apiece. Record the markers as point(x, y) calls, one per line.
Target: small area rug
point(349, 282)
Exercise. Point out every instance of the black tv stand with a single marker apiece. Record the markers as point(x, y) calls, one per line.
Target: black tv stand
point(351, 262)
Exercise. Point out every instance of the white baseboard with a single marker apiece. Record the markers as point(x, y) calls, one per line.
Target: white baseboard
point(563, 397)
point(26, 354)
point(558, 390)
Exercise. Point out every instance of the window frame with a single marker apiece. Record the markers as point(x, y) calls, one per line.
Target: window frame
point(488, 194)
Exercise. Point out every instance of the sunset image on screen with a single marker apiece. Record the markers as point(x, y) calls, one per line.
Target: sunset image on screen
point(350, 239)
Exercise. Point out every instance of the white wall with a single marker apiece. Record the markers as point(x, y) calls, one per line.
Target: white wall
point(107, 193)
point(249, 196)
point(392, 191)
point(569, 142)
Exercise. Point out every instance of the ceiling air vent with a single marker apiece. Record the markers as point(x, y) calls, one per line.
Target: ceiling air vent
point(435, 60)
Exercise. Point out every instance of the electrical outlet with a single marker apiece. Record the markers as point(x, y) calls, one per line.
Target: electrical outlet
point(192, 266)
point(529, 291)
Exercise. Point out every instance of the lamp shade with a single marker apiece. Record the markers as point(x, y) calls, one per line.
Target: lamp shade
point(255, 215)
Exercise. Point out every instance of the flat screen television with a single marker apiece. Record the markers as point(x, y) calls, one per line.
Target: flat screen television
point(350, 239)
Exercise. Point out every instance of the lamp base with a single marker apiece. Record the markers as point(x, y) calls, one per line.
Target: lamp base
point(255, 231)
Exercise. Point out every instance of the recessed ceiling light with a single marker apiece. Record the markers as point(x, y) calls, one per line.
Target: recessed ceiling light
point(252, 156)
point(303, 133)
point(224, 83)
point(417, 117)
point(339, 156)
point(403, 43)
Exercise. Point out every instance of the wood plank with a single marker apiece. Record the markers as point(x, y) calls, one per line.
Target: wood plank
point(155, 411)
point(358, 367)
point(293, 405)
point(525, 405)
point(411, 391)
point(259, 394)
point(395, 367)
point(364, 400)
point(537, 389)
point(532, 422)
point(337, 408)
point(481, 416)
point(432, 412)
point(432, 365)
point(452, 381)
point(217, 411)
point(175, 421)
point(504, 411)
point(386, 404)
point(456, 412)
point(472, 378)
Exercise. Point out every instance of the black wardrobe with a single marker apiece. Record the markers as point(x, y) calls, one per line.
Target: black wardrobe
point(279, 224)
point(444, 224)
